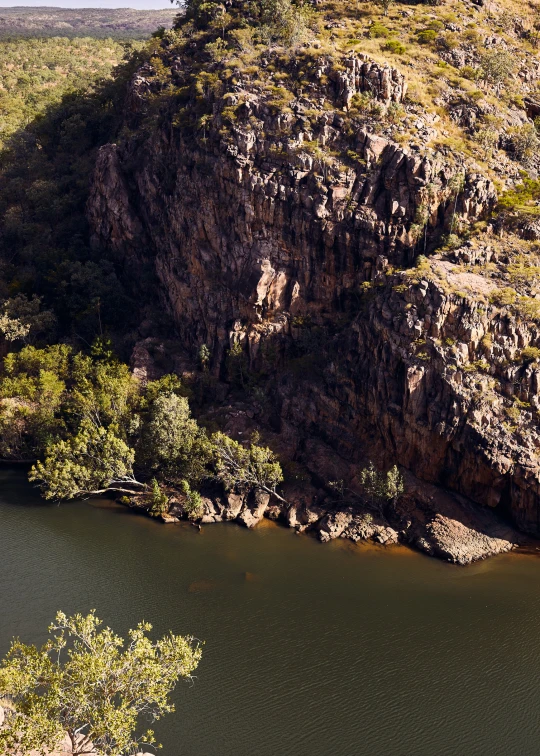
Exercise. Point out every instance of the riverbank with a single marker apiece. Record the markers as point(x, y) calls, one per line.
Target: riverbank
point(439, 523)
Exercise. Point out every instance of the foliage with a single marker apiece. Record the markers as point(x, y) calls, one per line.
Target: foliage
point(57, 107)
point(377, 30)
point(237, 365)
point(395, 46)
point(426, 36)
point(86, 681)
point(172, 442)
point(193, 506)
point(497, 66)
point(503, 297)
point(530, 354)
point(90, 463)
point(23, 318)
point(524, 141)
point(524, 194)
point(159, 500)
point(252, 468)
point(382, 487)
point(204, 356)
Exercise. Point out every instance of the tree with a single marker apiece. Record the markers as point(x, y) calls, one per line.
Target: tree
point(385, 5)
point(497, 66)
point(380, 487)
point(159, 500)
point(87, 682)
point(92, 462)
point(172, 442)
point(246, 469)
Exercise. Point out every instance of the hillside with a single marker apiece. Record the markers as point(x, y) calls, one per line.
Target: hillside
point(337, 207)
point(119, 23)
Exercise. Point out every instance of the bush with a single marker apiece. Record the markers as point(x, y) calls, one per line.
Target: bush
point(497, 65)
point(468, 72)
point(377, 30)
point(193, 506)
point(159, 499)
point(530, 354)
point(519, 197)
point(426, 36)
point(503, 297)
point(394, 46)
point(524, 141)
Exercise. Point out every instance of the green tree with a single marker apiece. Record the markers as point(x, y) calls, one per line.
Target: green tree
point(381, 487)
point(496, 67)
point(172, 442)
point(254, 468)
point(86, 681)
point(91, 463)
point(159, 500)
point(193, 506)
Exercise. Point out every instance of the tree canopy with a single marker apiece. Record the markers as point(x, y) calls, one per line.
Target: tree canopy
point(91, 684)
point(91, 427)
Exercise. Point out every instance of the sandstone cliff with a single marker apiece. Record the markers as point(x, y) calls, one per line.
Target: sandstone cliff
point(288, 210)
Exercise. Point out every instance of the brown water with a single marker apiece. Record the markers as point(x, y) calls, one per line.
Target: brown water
point(311, 649)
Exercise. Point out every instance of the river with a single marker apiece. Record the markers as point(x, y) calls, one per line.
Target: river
point(311, 649)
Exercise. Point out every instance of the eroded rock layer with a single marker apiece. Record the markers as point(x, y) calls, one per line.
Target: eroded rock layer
point(321, 267)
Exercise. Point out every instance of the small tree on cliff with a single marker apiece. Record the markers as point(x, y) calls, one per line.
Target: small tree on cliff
point(382, 487)
point(254, 468)
point(87, 682)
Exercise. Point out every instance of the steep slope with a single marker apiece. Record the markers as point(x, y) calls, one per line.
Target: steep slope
point(302, 203)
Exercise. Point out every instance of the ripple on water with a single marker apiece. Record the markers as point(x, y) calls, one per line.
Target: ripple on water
point(311, 650)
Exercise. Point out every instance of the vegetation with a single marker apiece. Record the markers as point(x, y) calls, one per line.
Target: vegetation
point(50, 129)
point(379, 488)
point(36, 73)
point(90, 683)
point(97, 429)
point(382, 487)
point(98, 23)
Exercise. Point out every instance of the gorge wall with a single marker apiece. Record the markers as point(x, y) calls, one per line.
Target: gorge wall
point(312, 237)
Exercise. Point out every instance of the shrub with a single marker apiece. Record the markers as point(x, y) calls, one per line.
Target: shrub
point(468, 72)
point(159, 500)
point(503, 297)
point(530, 354)
point(524, 141)
point(377, 30)
point(447, 42)
point(519, 197)
point(497, 65)
point(529, 308)
point(193, 506)
point(394, 46)
point(426, 36)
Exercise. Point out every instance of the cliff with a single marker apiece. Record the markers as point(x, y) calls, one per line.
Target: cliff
point(309, 209)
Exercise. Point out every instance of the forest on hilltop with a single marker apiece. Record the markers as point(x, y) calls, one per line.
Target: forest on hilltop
point(99, 23)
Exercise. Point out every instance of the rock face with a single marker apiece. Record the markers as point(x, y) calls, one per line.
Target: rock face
point(258, 238)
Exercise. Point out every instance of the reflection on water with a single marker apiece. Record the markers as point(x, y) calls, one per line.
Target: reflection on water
point(311, 649)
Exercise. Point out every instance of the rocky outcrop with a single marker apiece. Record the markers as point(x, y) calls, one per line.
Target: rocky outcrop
point(259, 235)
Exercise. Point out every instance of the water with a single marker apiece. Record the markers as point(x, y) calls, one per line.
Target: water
point(311, 649)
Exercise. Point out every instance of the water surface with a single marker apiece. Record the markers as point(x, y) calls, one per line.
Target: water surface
point(311, 649)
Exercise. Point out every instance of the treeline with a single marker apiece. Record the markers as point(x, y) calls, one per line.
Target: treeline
point(93, 428)
point(59, 104)
point(99, 23)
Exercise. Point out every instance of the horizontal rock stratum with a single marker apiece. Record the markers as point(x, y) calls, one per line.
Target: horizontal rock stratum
point(362, 270)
